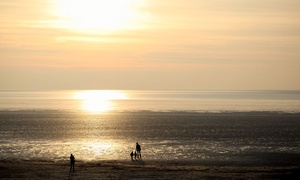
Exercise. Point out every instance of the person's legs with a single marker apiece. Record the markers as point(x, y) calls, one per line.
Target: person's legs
point(138, 154)
point(72, 167)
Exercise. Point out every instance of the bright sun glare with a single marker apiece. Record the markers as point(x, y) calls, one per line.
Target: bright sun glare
point(97, 16)
point(99, 101)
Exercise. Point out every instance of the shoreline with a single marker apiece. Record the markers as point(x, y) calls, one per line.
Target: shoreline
point(261, 159)
point(115, 169)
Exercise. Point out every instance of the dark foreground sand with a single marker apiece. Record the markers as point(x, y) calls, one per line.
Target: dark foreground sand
point(142, 170)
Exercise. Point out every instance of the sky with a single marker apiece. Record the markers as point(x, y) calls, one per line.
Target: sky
point(150, 44)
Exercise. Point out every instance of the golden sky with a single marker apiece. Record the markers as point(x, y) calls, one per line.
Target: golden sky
point(149, 44)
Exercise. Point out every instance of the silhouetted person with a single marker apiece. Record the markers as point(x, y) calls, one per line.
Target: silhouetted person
point(72, 162)
point(131, 155)
point(138, 150)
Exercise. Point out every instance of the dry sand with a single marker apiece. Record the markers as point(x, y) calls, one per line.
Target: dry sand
point(142, 170)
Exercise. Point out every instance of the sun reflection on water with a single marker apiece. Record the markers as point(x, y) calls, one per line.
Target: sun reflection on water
point(99, 101)
point(98, 149)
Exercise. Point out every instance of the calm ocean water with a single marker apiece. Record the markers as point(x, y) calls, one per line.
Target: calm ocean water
point(200, 101)
point(228, 126)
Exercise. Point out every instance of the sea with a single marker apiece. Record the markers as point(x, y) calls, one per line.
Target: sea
point(204, 127)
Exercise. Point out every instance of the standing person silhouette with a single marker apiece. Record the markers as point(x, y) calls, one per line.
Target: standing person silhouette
point(72, 162)
point(138, 150)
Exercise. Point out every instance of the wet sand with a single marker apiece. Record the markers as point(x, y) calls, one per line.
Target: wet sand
point(143, 170)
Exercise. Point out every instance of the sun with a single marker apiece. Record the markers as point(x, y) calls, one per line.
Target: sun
point(97, 16)
point(99, 101)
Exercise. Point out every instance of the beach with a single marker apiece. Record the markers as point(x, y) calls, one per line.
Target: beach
point(253, 145)
point(144, 170)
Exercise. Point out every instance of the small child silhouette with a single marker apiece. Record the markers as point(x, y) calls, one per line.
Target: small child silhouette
point(131, 155)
